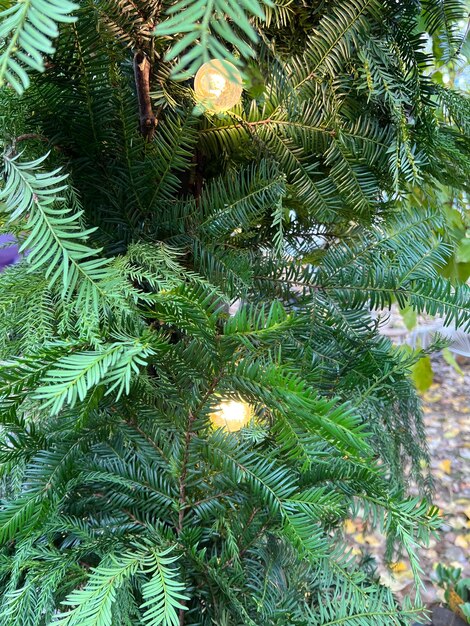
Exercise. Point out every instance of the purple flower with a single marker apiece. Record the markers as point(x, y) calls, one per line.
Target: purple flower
point(8, 254)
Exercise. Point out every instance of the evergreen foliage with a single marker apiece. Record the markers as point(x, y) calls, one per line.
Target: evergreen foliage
point(121, 504)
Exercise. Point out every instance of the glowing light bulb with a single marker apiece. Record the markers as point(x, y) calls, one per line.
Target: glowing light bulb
point(218, 85)
point(231, 415)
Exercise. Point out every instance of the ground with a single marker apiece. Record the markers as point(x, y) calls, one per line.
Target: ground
point(447, 418)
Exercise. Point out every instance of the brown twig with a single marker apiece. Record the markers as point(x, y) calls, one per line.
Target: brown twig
point(183, 476)
point(208, 499)
point(147, 119)
point(184, 468)
point(188, 437)
point(184, 471)
point(149, 440)
point(181, 614)
point(255, 537)
point(25, 137)
point(133, 517)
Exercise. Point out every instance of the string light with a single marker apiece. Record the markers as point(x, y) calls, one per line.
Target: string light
point(231, 415)
point(218, 85)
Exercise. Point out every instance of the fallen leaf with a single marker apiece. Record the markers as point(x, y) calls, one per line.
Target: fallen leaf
point(454, 603)
point(392, 583)
point(446, 466)
point(456, 564)
point(432, 397)
point(372, 540)
point(398, 567)
point(440, 593)
point(462, 541)
point(457, 521)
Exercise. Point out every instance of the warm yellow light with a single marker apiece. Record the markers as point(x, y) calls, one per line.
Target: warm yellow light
point(231, 415)
point(218, 86)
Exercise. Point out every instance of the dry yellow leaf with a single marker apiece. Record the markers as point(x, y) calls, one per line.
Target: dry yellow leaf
point(454, 603)
point(359, 538)
point(393, 583)
point(446, 466)
point(462, 541)
point(349, 527)
point(372, 540)
point(399, 566)
point(432, 397)
point(457, 521)
point(456, 564)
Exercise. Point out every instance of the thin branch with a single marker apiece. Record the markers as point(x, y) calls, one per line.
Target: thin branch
point(191, 505)
point(189, 435)
point(184, 467)
point(184, 471)
point(25, 137)
point(148, 119)
point(456, 52)
point(257, 535)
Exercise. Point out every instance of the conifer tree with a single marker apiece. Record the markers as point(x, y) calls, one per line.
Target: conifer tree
point(142, 218)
